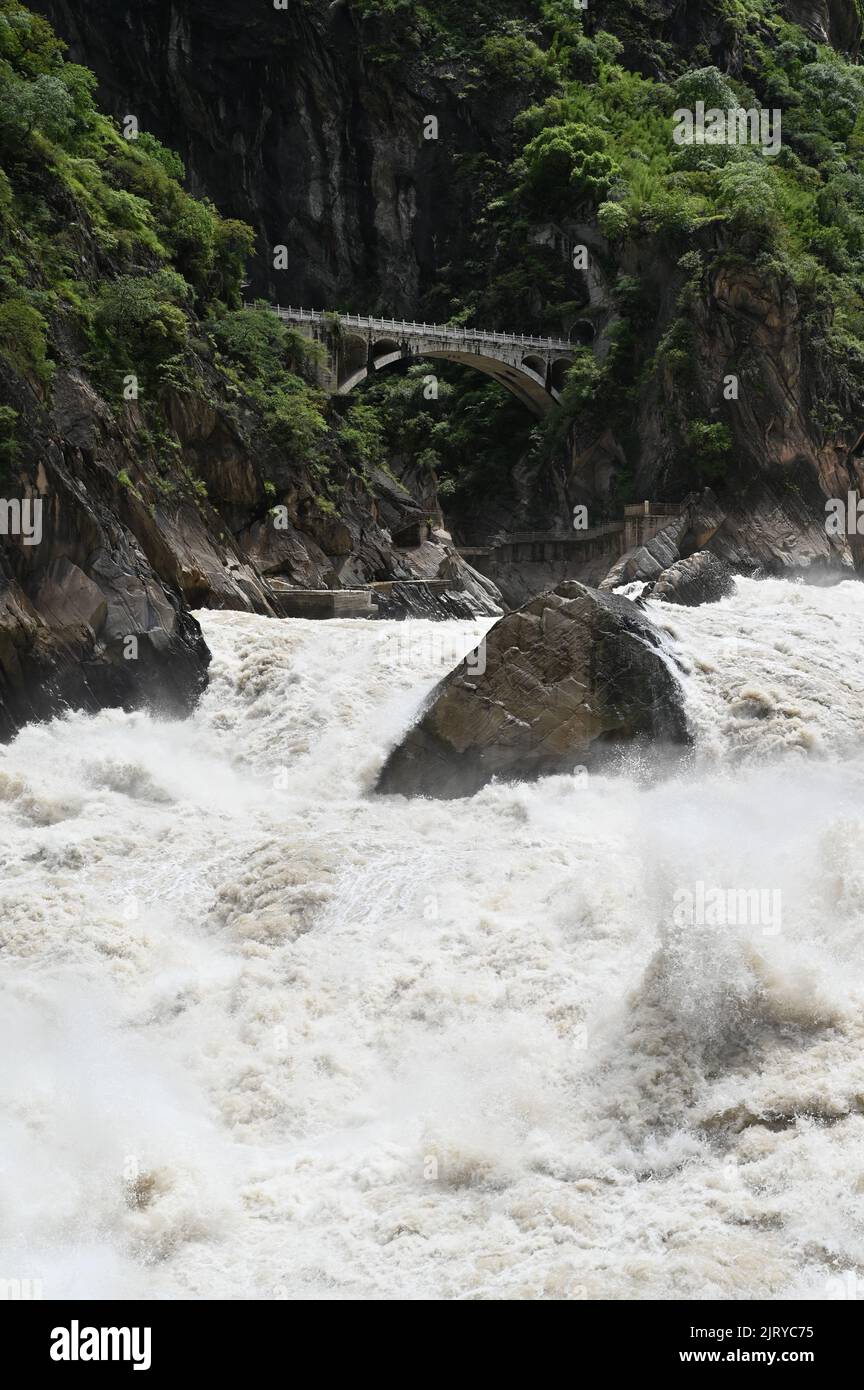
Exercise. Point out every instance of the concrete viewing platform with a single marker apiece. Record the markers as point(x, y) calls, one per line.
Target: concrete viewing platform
point(380, 598)
point(611, 539)
point(324, 603)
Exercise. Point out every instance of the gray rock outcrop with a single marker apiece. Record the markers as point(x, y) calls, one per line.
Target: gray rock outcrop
point(567, 679)
point(701, 578)
point(768, 530)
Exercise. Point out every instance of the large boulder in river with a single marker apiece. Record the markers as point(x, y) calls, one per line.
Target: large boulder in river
point(701, 578)
point(572, 675)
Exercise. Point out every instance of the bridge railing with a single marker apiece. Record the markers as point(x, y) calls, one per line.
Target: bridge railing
point(403, 327)
point(653, 509)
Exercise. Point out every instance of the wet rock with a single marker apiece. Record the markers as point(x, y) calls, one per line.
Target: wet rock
point(647, 562)
point(462, 592)
point(570, 677)
point(286, 552)
point(85, 641)
point(772, 529)
point(87, 617)
point(701, 578)
point(67, 598)
point(769, 529)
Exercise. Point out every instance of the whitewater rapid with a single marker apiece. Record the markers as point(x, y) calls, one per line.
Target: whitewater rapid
point(266, 1035)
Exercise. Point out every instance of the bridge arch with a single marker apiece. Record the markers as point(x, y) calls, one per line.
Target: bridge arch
point(521, 380)
point(353, 356)
point(383, 351)
point(558, 372)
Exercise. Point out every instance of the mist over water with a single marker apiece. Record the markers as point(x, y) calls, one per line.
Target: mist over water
point(267, 1035)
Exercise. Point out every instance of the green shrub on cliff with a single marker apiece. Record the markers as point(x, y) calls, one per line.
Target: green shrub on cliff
point(709, 451)
point(263, 346)
point(8, 440)
point(95, 225)
point(598, 148)
point(98, 229)
point(564, 164)
point(24, 340)
point(141, 320)
point(362, 434)
point(440, 435)
point(513, 55)
point(275, 367)
point(497, 37)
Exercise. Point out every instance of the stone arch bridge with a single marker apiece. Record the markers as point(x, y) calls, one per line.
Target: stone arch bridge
point(532, 368)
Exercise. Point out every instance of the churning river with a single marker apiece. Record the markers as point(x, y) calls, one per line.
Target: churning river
point(266, 1035)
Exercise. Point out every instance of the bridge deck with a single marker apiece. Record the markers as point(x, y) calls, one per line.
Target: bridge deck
point(403, 328)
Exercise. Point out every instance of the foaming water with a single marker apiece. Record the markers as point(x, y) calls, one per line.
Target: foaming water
point(274, 1036)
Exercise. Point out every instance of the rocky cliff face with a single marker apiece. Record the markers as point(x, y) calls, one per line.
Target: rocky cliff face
point(746, 326)
point(836, 22)
point(295, 120)
point(705, 28)
point(97, 610)
point(288, 117)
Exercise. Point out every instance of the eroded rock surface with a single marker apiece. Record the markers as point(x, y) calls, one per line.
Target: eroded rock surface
point(701, 578)
point(572, 675)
